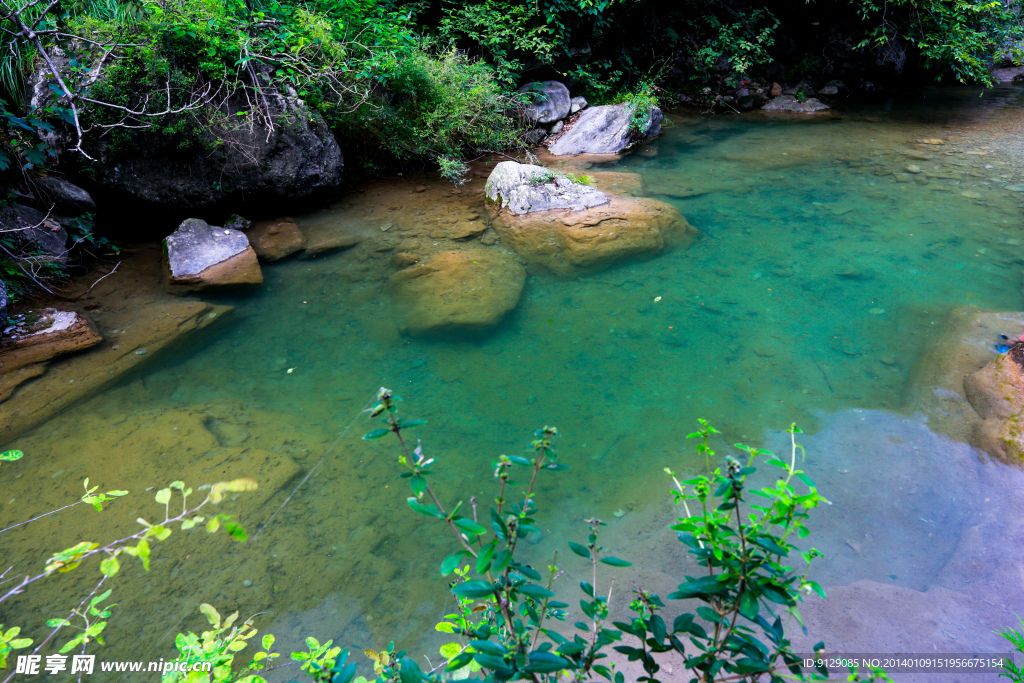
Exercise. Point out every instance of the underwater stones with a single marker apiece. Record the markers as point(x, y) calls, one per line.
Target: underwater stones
point(569, 244)
point(458, 291)
point(48, 334)
point(200, 256)
point(274, 240)
point(550, 103)
point(153, 327)
point(525, 188)
point(607, 129)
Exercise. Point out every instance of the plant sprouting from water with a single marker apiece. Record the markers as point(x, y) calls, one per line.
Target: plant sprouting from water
point(751, 575)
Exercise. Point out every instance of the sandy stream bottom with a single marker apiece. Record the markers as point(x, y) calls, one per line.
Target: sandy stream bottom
point(825, 265)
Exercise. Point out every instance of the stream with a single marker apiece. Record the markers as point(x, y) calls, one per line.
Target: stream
point(831, 251)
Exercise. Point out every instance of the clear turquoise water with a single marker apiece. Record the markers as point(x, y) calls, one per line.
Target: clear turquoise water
point(824, 268)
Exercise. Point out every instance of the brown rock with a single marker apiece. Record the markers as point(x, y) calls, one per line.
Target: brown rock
point(52, 333)
point(459, 291)
point(326, 232)
point(937, 380)
point(241, 269)
point(152, 328)
point(404, 259)
point(775, 90)
point(585, 241)
point(276, 239)
point(997, 393)
point(622, 184)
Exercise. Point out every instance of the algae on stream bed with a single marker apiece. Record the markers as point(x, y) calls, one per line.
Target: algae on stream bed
point(831, 252)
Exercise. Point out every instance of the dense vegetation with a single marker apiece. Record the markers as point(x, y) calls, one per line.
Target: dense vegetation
point(399, 80)
point(431, 82)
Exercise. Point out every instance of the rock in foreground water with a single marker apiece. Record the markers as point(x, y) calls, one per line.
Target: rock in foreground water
point(200, 256)
point(459, 291)
point(525, 188)
point(569, 244)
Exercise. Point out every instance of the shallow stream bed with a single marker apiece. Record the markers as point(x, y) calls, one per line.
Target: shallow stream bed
point(831, 251)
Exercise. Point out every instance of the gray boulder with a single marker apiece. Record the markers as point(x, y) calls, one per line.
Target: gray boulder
point(200, 255)
point(550, 101)
point(232, 164)
point(525, 188)
point(576, 104)
point(66, 198)
point(792, 104)
point(33, 230)
point(606, 130)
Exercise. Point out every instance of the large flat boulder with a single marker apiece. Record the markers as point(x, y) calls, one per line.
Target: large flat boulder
point(459, 291)
point(525, 188)
point(608, 129)
point(550, 101)
point(275, 239)
point(45, 335)
point(56, 385)
point(200, 256)
point(570, 244)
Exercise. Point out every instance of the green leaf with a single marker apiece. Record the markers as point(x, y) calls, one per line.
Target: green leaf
point(409, 424)
point(375, 434)
point(11, 456)
point(615, 562)
point(110, 566)
point(474, 589)
point(535, 591)
point(163, 496)
point(428, 510)
point(469, 527)
point(212, 615)
point(546, 662)
point(483, 560)
point(449, 563)
point(410, 671)
point(580, 550)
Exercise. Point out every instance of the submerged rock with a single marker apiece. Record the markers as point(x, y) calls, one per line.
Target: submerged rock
point(791, 104)
point(200, 256)
point(48, 334)
point(569, 244)
point(459, 291)
point(525, 188)
point(607, 129)
point(276, 239)
point(550, 101)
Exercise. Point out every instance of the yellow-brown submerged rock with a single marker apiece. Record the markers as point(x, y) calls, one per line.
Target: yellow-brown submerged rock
point(586, 241)
point(459, 291)
point(275, 239)
point(997, 394)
